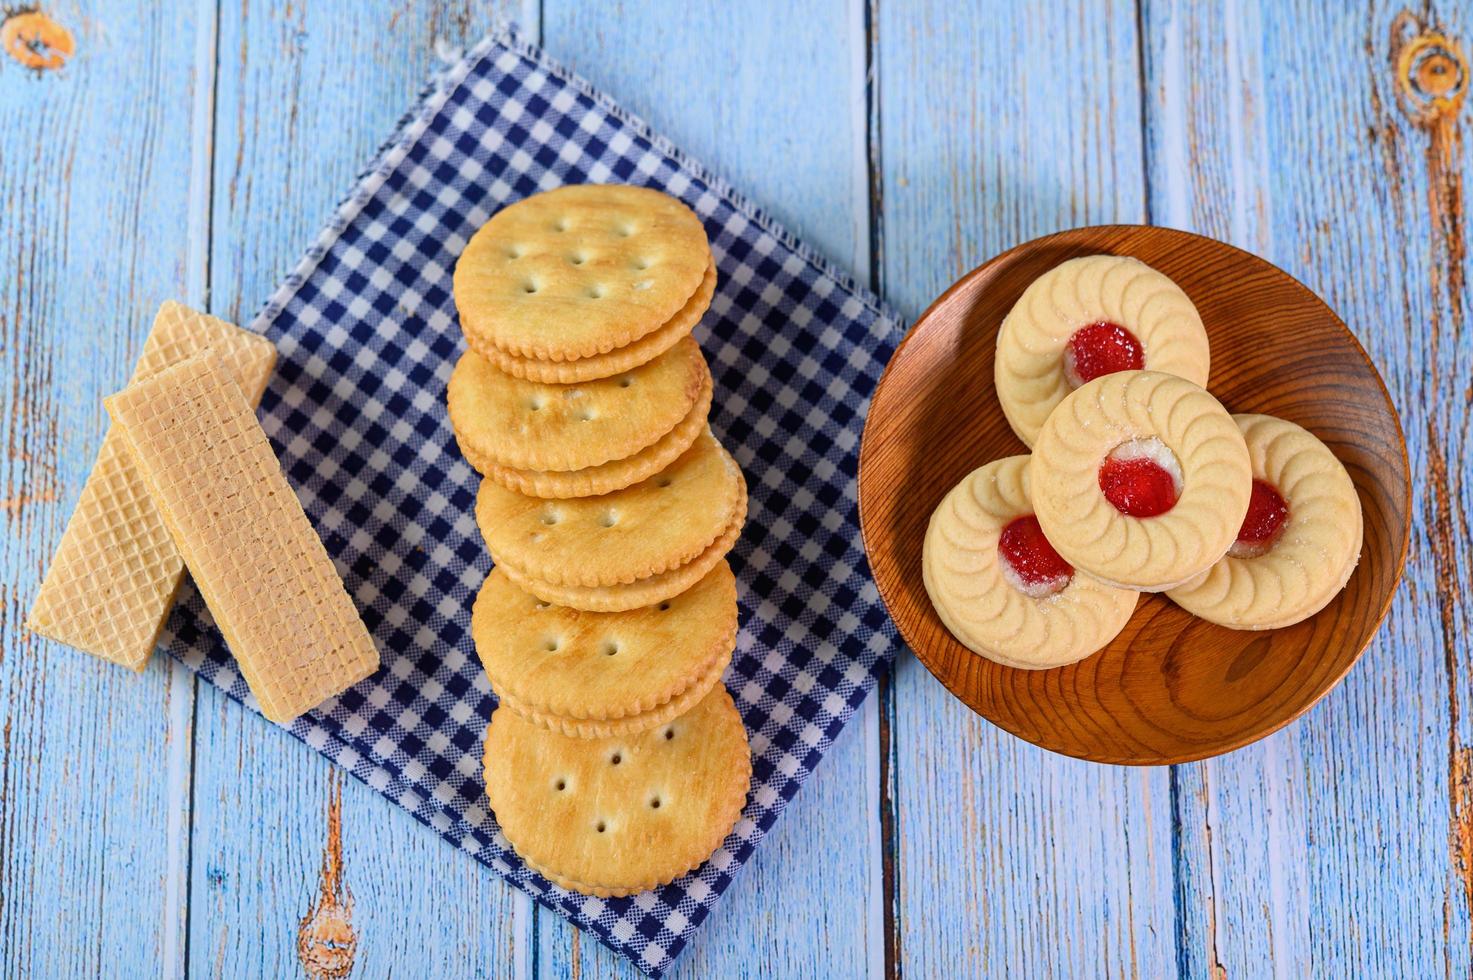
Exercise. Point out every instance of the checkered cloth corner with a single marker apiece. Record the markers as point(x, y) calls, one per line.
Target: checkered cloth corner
point(367, 334)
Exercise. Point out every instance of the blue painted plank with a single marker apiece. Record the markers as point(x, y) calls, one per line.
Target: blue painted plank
point(306, 92)
point(95, 173)
point(1000, 122)
point(779, 111)
point(1338, 847)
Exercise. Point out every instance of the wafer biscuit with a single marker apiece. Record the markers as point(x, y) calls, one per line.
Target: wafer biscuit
point(645, 592)
point(263, 572)
point(646, 348)
point(529, 425)
point(619, 815)
point(617, 538)
point(112, 581)
point(601, 667)
point(607, 477)
point(579, 271)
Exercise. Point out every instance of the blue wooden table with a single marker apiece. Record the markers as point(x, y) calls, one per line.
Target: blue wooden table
point(193, 148)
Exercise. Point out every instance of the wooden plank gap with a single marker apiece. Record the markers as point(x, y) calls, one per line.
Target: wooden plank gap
point(1145, 101)
point(887, 910)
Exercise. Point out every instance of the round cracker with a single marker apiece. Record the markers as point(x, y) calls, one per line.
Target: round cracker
point(617, 538)
point(606, 477)
point(646, 348)
point(528, 425)
point(634, 724)
point(645, 592)
point(554, 660)
point(579, 271)
point(619, 815)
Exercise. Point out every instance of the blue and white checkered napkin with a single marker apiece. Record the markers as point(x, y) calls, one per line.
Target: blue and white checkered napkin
point(367, 334)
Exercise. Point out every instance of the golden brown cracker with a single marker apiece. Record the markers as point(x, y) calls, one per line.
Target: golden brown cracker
point(617, 538)
point(579, 271)
point(619, 815)
point(528, 425)
point(633, 724)
point(601, 667)
point(620, 359)
point(645, 592)
point(606, 477)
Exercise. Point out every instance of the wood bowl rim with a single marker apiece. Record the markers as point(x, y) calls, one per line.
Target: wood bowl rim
point(1070, 235)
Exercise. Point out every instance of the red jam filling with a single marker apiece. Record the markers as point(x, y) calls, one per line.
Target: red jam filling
point(1034, 563)
point(1137, 486)
point(1267, 514)
point(1099, 349)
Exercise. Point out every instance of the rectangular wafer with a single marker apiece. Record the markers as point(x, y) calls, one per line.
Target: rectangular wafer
point(112, 581)
point(261, 568)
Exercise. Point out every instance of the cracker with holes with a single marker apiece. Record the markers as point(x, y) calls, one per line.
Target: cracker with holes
point(645, 591)
point(646, 529)
point(527, 425)
point(588, 673)
point(579, 271)
point(619, 815)
point(646, 348)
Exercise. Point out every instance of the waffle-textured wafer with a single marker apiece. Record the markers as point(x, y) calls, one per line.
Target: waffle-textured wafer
point(606, 477)
point(618, 815)
point(112, 581)
point(562, 663)
point(261, 568)
point(646, 529)
point(534, 426)
point(646, 591)
point(645, 349)
point(579, 271)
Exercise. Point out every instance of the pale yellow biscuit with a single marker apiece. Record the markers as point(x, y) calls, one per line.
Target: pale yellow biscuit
point(268, 581)
point(1151, 554)
point(1316, 551)
point(620, 359)
point(529, 425)
point(606, 477)
point(111, 583)
point(579, 271)
point(619, 815)
point(1029, 369)
point(989, 614)
point(601, 667)
point(617, 538)
point(645, 592)
point(632, 724)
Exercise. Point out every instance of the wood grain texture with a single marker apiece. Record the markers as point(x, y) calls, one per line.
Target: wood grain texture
point(1011, 861)
point(779, 112)
point(94, 166)
point(1170, 687)
point(1341, 845)
point(1358, 800)
point(305, 94)
point(1345, 205)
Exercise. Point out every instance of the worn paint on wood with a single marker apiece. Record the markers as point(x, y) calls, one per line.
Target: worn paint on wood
point(172, 155)
point(93, 173)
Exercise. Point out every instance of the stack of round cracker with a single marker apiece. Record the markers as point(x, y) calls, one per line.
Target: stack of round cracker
point(616, 761)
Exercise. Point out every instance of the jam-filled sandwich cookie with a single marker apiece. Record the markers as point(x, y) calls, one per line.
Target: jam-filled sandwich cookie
point(1000, 587)
point(1141, 479)
point(1087, 318)
point(1297, 546)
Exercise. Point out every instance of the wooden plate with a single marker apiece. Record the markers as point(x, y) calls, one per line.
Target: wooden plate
point(1170, 688)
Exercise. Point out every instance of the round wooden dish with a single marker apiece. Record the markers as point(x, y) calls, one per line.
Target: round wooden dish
point(1170, 688)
